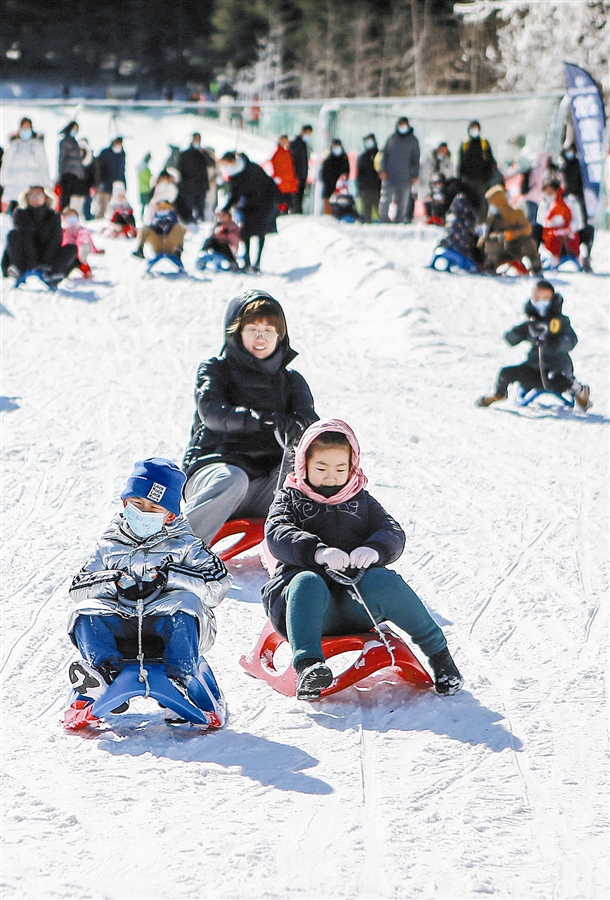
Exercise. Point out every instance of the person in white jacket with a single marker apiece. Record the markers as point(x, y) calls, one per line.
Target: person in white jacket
point(149, 576)
point(24, 164)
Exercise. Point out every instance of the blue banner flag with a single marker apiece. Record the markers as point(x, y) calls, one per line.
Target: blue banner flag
point(589, 121)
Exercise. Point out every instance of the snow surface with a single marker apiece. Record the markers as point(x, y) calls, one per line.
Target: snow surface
point(384, 790)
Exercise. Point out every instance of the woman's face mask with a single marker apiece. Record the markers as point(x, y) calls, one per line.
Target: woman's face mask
point(474, 132)
point(369, 144)
point(73, 132)
point(143, 524)
point(403, 129)
point(116, 148)
point(338, 151)
point(25, 133)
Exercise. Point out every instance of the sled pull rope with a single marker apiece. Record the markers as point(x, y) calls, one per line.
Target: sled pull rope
point(143, 674)
point(350, 584)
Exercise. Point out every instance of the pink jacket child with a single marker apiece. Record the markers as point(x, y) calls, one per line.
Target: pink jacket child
point(75, 233)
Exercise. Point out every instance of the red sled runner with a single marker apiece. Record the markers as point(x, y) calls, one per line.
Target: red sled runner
point(252, 532)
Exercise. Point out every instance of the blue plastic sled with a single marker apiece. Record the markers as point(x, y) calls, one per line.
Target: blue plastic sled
point(177, 263)
point(524, 398)
point(446, 260)
point(38, 282)
point(565, 264)
point(216, 261)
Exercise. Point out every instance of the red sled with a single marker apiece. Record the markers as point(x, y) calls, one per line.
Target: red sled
point(252, 532)
point(373, 657)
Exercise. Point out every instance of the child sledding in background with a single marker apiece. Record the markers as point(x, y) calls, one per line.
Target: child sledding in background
point(165, 234)
point(548, 366)
point(561, 219)
point(461, 221)
point(75, 233)
point(120, 213)
point(224, 241)
point(323, 517)
point(148, 554)
point(342, 203)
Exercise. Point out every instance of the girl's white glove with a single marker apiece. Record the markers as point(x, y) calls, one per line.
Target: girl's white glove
point(332, 557)
point(363, 557)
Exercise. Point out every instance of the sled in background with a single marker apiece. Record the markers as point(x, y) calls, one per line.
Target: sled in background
point(34, 280)
point(248, 533)
point(216, 262)
point(374, 656)
point(445, 260)
point(524, 398)
point(172, 266)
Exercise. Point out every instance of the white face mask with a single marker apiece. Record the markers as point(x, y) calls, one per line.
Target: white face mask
point(25, 133)
point(71, 220)
point(196, 145)
point(369, 144)
point(541, 306)
point(306, 137)
point(338, 151)
point(474, 132)
point(569, 154)
point(402, 129)
point(73, 132)
point(116, 148)
point(143, 524)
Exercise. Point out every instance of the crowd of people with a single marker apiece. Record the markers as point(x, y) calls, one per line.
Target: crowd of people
point(468, 196)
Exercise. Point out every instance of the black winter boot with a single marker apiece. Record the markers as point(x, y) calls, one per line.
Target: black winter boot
point(447, 679)
point(312, 676)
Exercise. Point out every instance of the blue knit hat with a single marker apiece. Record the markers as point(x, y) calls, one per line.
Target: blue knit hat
point(156, 479)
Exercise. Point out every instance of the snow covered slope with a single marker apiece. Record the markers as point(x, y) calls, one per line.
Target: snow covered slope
point(385, 792)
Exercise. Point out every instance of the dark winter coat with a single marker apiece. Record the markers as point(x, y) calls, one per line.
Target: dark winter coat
point(70, 158)
point(367, 177)
point(193, 167)
point(559, 340)
point(235, 393)
point(111, 168)
point(297, 527)
point(460, 222)
point(333, 168)
point(401, 158)
point(40, 235)
point(300, 157)
point(572, 178)
point(256, 196)
point(476, 161)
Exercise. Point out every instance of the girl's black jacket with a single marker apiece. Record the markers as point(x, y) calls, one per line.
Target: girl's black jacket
point(297, 527)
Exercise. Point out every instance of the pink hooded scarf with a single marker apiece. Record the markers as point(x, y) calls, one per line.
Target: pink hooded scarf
point(357, 479)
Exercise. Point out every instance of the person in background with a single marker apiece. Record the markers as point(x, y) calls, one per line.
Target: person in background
point(24, 164)
point(193, 165)
point(70, 168)
point(144, 179)
point(164, 234)
point(571, 173)
point(165, 188)
point(477, 166)
point(508, 233)
point(111, 168)
point(284, 174)
point(35, 243)
point(399, 172)
point(74, 233)
point(120, 213)
point(460, 222)
point(436, 170)
point(256, 197)
point(335, 165)
point(89, 179)
point(368, 180)
point(224, 240)
point(300, 150)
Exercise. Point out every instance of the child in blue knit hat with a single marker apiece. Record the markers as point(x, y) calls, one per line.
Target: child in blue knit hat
point(148, 565)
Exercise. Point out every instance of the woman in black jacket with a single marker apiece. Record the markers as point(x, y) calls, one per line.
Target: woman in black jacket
point(323, 518)
point(245, 397)
point(335, 165)
point(256, 196)
point(70, 168)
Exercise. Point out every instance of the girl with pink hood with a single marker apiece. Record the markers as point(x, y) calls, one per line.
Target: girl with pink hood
point(323, 518)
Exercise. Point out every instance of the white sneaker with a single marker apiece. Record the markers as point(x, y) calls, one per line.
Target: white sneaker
point(87, 680)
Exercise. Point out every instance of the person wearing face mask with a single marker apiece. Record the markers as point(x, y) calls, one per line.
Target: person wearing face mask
point(569, 166)
point(24, 163)
point(436, 170)
point(74, 233)
point(111, 168)
point(299, 150)
point(335, 165)
point(399, 173)
point(246, 398)
point(548, 366)
point(148, 555)
point(560, 220)
point(368, 180)
point(71, 172)
point(256, 196)
point(193, 165)
point(507, 234)
point(477, 166)
point(35, 243)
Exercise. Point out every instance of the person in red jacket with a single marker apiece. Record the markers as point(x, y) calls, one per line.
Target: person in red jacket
point(559, 225)
point(284, 174)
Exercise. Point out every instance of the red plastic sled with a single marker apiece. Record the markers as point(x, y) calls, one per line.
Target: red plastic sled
point(373, 657)
point(251, 531)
